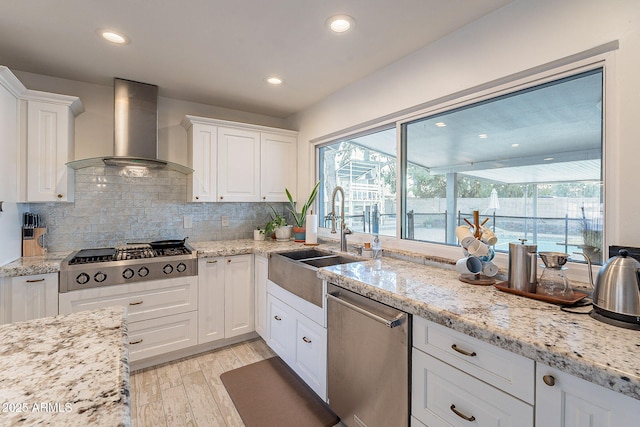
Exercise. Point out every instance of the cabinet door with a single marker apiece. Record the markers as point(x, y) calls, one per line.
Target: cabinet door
point(277, 166)
point(311, 354)
point(49, 147)
point(261, 276)
point(281, 329)
point(5, 300)
point(238, 295)
point(563, 400)
point(202, 155)
point(34, 296)
point(211, 300)
point(238, 165)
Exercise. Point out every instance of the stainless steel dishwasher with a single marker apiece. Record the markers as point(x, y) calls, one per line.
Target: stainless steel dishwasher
point(368, 360)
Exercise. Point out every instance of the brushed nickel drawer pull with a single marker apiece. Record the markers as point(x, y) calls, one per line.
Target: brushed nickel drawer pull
point(461, 351)
point(35, 281)
point(307, 340)
point(277, 318)
point(461, 415)
point(212, 262)
point(549, 380)
point(136, 342)
point(136, 303)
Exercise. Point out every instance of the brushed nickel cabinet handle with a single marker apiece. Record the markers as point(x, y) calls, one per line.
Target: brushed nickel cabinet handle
point(197, 197)
point(228, 260)
point(136, 342)
point(549, 380)
point(264, 197)
point(35, 280)
point(221, 197)
point(212, 262)
point(461, 415)
point(136, 303)
point(59, 196)
point(277, 318)
point(307, 340)
point(461, 351)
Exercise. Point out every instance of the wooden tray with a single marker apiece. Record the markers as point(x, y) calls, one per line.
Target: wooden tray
point(577, 295)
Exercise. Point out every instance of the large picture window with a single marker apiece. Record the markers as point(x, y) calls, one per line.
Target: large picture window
point(529, 161)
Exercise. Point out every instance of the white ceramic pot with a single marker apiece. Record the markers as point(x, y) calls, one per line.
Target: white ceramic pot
point(283, 233)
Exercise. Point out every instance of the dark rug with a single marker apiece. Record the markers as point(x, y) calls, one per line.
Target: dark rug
point(268, 393)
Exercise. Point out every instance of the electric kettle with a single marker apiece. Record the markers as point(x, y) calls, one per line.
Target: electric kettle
point(617, 290)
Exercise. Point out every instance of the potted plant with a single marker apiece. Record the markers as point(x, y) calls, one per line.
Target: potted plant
point(592, 238)
point(277, 227)
point(300, 217)
point(258, 233)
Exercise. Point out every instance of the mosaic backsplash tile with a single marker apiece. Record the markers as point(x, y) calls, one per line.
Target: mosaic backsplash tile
point(115, 205)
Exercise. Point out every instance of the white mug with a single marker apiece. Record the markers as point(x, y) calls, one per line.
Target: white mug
point(488, 236)
point(478, 248)
point(489, 269)
point(465, 235)
point(469, 265)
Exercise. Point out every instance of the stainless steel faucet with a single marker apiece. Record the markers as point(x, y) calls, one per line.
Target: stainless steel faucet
point(343, 226)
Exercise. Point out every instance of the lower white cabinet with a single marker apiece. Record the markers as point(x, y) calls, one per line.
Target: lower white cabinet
point(162, 314)
point(563, 400)
point(226, 301)
point(261, 275)
point(5, 300)
point(300, 342)
point(34, 296)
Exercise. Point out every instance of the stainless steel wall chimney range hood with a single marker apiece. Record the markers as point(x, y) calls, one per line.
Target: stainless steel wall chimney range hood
point(135, 130)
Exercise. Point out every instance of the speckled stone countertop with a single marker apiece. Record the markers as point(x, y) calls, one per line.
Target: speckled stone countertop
point(574, 343)
point(68, 370)
point(49, 263)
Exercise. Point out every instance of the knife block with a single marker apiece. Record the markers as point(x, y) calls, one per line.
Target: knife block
point(33, 241)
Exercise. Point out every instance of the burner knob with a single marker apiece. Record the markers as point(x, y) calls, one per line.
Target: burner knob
point(82, 278)
point(143, 271)
point(168, 269)
point(128, 273)
point(100, 277)
point(181, 267)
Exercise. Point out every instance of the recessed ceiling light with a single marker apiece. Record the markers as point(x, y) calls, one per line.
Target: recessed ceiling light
point(515, 145)
point(274, 80)
point(340, 23)
point(113, 37)
point(483, 136)
point(441, 124)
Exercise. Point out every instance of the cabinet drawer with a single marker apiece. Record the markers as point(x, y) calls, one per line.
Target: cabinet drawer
point(445, 396)
point(153, 337)
point(143, 301)
point(311, 354)
point(280, 328)
point(509, 372)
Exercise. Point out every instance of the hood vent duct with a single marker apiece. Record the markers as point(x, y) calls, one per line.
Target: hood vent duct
point(135, 130)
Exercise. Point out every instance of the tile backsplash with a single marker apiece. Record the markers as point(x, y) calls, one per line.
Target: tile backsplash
point(118, 205)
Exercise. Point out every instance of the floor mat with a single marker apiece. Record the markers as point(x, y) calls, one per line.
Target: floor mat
point(268, 393)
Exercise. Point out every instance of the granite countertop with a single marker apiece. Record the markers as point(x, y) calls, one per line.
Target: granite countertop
point(27, 266)
point(574, 343)
point(429, 287)
point(68, 370)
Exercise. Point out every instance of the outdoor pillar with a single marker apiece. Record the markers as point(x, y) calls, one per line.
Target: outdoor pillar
point(452, 207)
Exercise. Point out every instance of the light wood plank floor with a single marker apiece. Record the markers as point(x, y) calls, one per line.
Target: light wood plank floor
point(188, 392)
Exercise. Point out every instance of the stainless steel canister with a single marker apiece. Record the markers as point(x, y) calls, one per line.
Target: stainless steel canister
point(522, 266)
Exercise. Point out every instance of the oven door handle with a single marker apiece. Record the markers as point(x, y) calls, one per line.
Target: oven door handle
point(390, 323)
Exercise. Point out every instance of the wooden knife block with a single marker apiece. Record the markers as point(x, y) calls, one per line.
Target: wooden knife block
point(34, 246)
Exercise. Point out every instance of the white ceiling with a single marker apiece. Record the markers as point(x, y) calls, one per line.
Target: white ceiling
point(219, 52)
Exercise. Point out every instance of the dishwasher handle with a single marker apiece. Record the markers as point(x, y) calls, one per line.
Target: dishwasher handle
point(390, 323)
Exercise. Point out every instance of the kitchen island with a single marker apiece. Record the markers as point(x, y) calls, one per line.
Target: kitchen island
point(69, 370)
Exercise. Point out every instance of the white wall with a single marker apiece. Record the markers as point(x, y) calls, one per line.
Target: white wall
point(94, 127)
point(521, 36)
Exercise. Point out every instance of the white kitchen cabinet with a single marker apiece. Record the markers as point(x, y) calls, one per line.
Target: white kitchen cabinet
point(33, 297)
point(239, 162)
point(202, 157)
point(162, 314)
point(563, 400)
point(5, 300)
point(226, 301)
point(277, 166)
point(50, 145)
point(261, 275)
point(458, 379)
point(238, 165)
point(300, 342)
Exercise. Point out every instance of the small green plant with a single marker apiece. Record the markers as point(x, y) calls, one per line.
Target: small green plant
point(276, 221)
point(299, 217)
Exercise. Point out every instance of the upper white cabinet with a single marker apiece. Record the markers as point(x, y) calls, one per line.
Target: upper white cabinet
point(50, 145)
point(236, 162)
point(238, 165)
